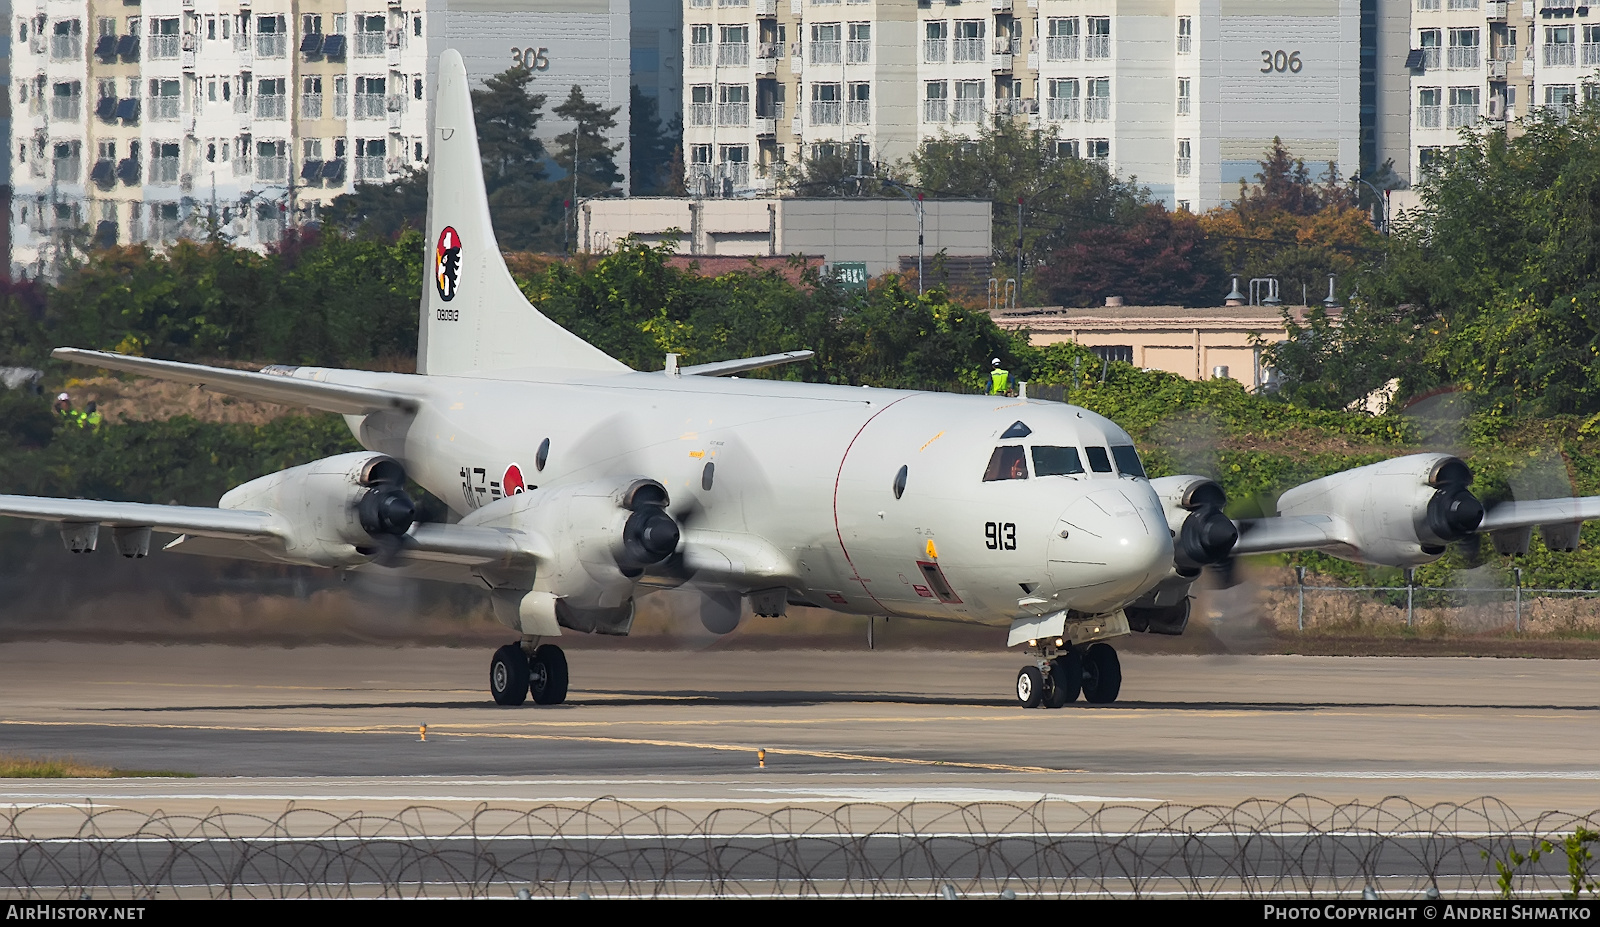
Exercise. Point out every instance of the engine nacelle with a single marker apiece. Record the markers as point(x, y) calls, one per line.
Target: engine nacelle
point(599, 538)
point(1201, 533)
point(339, 511)
point(1401, 512)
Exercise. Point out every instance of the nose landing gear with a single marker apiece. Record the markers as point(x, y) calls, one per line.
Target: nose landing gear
point(1061, 674)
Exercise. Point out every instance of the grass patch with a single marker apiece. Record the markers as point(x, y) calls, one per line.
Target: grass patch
point(52, 767)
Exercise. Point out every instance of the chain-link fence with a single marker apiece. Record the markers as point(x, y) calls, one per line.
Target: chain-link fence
point(1301, 847)
point(1468, 609)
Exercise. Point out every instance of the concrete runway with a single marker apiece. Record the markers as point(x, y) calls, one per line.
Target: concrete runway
point(337, 727)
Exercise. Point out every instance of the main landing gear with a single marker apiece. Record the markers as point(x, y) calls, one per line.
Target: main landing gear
point(1062, 673)
point(514, 673)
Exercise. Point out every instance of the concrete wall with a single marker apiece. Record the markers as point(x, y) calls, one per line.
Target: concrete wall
point(874, 231)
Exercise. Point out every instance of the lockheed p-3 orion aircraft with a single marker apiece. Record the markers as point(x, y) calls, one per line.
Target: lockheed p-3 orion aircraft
point(576, 485)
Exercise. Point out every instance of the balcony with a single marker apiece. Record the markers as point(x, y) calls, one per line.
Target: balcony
point(700, 55)
point(1184, 106)
point(164, 109)
point(66, 108)
point(1184, 166)
point(735, 174)
point(272, 168)
point(1061, 48)
point(1464, 114)
point(270, 106)
point(970, 49)
point(369, 106)
point(769, 50)
point(1097, 109)
point(310, 106)
point(1428, 117)
point(765, 8)
point(858, 112)
point(1461, 4)
point(766, 125)
point(1462, 57)
point(969, 111)
point(163, 46)
point(66, 47)
point(1430, 57)
point(826, 112)
point(1097, 46)
point(1061, 109)
point(702, 114)
point(858, 51)
point(1494, 10)
point(1591, 54)
point(370, 45)
point(163, 171)
point(733, 114)
point(1564, 55)
point(733, 55)
point(272, 45)
point(1497, 70)
point(935, 110)
point(765, 67)
point(242, 50)
point(933, 51)
point(825, 52)
point(1185, 44)
point(1560, 112)
point(370, 169)
point(1000, 64)
point(1000, 6)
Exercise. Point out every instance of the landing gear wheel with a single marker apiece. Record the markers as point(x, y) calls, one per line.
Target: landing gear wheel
point(1102, 674)
point(508, 675)
point(548, 673)
point(1030, 686)
point(1066, 678)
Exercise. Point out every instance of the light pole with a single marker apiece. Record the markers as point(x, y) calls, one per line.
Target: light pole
point(916, 200)
point(577, 134)
point(1383, 199)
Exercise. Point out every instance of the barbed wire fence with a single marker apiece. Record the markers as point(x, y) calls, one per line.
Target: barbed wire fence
point(1299, 847)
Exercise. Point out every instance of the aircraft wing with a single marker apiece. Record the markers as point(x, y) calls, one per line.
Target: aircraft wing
point(263, 387)
point(1288, 532)
point(172, 519)
point(1540, 512)
point(724, 368)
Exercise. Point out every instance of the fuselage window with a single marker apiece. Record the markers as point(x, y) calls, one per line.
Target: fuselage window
point(1056, 461)
point(1127, 460)
point(1098, 461)
point(1007, 463)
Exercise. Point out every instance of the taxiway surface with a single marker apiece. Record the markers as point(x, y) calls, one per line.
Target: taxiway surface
point(265, 726)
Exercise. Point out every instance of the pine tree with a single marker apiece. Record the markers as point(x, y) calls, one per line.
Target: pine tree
point(651, 145)
point(594, 157)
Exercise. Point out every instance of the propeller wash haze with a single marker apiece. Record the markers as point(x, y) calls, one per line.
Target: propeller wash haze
point(576, 484)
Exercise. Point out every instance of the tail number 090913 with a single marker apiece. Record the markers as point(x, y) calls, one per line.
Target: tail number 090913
point(1000, 535)
point(1280, 61)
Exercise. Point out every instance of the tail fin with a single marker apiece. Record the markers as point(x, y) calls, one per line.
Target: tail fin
point(474, 319)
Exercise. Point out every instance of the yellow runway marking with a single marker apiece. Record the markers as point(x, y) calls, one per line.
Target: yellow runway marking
point(409, 730)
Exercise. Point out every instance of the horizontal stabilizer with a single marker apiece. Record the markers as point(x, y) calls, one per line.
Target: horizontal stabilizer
point(261, 387)
point(724, 368)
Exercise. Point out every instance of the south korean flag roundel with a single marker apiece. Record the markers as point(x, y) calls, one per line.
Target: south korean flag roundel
point(447, 263)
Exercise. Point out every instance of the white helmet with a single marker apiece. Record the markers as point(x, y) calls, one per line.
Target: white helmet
point(995, 362)
point(64, 396)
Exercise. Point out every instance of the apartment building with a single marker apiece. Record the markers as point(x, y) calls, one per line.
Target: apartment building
point(149, 121)
point(1185, 95)
point(1495, 60)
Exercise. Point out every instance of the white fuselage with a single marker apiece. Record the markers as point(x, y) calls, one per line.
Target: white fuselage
point(811, 470)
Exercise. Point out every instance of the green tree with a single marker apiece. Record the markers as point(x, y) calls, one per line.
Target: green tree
point(382, 209)
point(1008, 162)
point(1159, 258)
point(586, 147)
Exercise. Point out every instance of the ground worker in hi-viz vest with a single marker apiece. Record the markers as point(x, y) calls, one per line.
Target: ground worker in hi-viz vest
point(91, 416)
point(999, 379)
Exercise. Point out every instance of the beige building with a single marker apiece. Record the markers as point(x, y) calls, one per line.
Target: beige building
point(881, 233)
point(1194, 343)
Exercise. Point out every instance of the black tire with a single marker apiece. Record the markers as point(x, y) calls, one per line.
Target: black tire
point(1066, 678)
point(508, 675)
point(548, 673)
point(1030, 686)
point(1102, 674)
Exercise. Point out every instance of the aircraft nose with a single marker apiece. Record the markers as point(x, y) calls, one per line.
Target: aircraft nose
point(1110, 546)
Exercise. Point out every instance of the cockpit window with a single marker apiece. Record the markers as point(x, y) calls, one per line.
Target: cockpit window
point(1007, 463)
point(1098, 461)
point(1056, 461)
point(1127, 460)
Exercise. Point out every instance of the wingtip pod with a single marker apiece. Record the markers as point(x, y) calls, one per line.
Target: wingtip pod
point(474, 318)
